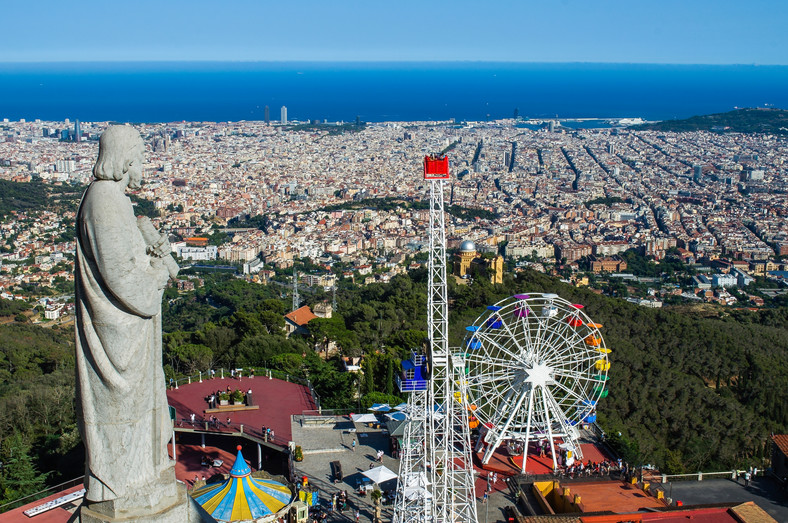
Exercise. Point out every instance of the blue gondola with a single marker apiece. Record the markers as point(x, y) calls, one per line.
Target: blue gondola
point(494, 322)
point(493, 308)
point(415, 374)
point(474, 344)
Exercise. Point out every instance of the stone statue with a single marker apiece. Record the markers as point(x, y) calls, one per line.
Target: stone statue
point(121, 399)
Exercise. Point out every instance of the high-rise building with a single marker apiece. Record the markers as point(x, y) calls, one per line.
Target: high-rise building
point(697, 173)
point(284, 115)
point(77, 132)
point(267, 115)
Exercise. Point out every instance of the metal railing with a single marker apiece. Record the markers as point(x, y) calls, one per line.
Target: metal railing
point(220, 427)
point(221, 372)
point(698, 476)
point(42, 494)
point(328, 412)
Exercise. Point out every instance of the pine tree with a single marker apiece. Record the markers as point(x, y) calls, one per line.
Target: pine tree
point(19, 476)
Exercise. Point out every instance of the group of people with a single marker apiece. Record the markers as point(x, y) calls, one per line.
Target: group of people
point(339, 501)
point(748, 475)
point(214, 422)
point(238, 373)
point(589, 468)
point(214, 397)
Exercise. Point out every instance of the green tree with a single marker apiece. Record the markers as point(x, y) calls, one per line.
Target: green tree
point(19, 476)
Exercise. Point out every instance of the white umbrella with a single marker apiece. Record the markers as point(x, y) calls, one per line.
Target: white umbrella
point(401, 406)
point(380, 407)
point(364, 418)
point(379, 474)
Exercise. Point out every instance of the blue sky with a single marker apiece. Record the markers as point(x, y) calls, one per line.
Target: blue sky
point(642, 31)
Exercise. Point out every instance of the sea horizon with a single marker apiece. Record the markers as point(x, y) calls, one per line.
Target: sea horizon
point(170, 91)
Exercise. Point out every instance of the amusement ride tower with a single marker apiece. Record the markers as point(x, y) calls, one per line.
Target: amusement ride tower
point(436, 474)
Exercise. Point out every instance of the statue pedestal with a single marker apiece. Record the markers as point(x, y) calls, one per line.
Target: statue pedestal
point(165, 502)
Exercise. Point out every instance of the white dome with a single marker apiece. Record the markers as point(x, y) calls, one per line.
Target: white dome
point(467, 246)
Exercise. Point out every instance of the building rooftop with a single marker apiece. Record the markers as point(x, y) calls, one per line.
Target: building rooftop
point(277, 400)
point(301, 316)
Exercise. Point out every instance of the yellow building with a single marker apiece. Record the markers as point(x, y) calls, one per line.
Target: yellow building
point(468, 262)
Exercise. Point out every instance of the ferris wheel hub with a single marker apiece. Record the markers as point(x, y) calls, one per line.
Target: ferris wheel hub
point(540, 375)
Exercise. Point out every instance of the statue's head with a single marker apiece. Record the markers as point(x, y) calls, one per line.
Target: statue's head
point(120, 155)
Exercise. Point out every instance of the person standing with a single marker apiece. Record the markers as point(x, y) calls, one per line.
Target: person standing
point(353, 445)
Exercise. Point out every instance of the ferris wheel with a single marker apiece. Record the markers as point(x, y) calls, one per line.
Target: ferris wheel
point(536, 367)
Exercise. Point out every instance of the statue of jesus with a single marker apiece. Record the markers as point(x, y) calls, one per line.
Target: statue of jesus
point(121, 401)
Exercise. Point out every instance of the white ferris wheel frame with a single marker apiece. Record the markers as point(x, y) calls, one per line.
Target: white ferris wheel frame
point(536, 367)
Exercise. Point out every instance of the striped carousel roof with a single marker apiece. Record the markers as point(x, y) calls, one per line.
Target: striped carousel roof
point(242, 497)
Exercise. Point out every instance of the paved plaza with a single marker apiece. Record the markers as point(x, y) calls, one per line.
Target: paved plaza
point(329, 442)
point(765, 491)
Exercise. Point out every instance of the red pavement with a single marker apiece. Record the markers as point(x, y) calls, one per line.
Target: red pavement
point(56, 515)
point(187, 465)
point(278, 401)
point(505, 465)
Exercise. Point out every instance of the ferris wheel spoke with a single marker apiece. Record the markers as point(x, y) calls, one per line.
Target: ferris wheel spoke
point(577, 354)
point(567, 346)
point(491, 361)
point(521, 323)
point(575, 374)
point(484, 336)
point(508, 409)
point(562, 336)
point(569, 392)
point(505, 325)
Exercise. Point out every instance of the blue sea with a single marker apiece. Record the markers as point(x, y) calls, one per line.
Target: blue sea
point(219, 91)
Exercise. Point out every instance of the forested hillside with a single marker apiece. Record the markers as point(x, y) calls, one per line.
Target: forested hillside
point(38, 434)
point(690, 389)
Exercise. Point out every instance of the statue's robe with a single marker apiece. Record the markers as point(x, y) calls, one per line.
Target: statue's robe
point(121, 398)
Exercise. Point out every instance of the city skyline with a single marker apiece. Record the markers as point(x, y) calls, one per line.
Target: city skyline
point(611, 31)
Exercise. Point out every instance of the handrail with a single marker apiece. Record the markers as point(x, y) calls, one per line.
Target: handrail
point(49, 490)
point(234, 428)
point(221, 372)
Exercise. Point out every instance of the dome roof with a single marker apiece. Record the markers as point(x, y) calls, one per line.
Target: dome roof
point(467, 246)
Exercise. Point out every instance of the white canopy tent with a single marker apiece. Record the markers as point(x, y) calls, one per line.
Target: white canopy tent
point(380, 474)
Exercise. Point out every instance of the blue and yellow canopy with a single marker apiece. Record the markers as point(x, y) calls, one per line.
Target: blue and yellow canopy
point(242, 497)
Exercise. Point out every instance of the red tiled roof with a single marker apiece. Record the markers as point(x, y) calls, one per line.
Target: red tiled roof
point(301, 316)
point(781, 440)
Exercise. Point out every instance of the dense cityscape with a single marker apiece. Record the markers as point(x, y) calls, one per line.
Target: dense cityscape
point(570, 202)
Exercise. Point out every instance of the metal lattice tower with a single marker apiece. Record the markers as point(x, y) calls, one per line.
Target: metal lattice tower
point(448, 438)
point(296, 298)
point(414, 501)
point(437, 431)
point(334, 297)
